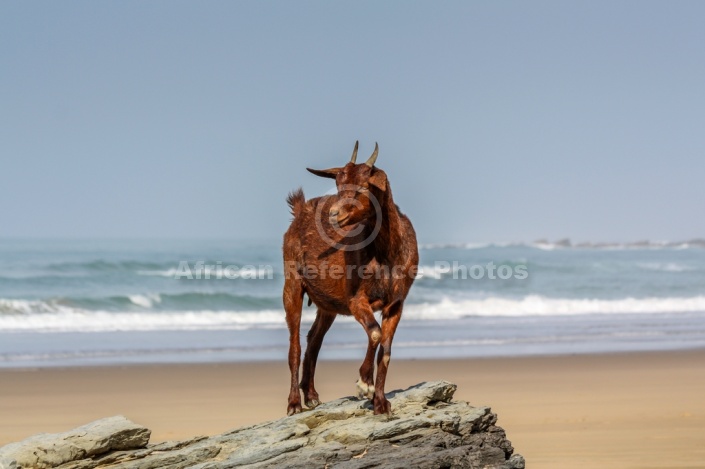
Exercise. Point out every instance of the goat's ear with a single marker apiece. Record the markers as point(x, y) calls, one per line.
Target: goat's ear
point(378, 179)
point(325, 173)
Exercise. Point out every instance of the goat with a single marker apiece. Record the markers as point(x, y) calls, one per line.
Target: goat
point(352, 253)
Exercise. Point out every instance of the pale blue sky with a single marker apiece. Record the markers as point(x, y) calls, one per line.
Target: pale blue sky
point(499, 121)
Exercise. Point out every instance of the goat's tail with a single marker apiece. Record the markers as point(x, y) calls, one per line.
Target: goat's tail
point(296, 201)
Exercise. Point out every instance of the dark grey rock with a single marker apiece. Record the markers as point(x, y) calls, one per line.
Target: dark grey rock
point(427, 430)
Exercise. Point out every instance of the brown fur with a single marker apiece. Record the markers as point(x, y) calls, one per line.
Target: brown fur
point(375, 277)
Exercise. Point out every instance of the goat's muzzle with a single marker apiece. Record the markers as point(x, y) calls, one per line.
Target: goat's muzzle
point(337, 218)
point(333, 216)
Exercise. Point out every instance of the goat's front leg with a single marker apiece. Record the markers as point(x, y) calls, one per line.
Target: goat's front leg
point(363, 313)
point(293, 301)
point(324, 319)
point(390, 320)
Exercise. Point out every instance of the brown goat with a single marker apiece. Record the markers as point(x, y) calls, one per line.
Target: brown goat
point(352, 253)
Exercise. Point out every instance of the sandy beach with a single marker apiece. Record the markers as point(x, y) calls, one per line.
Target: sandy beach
point(632, 410)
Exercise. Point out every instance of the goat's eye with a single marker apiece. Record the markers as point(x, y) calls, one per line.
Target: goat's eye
point(363, 189)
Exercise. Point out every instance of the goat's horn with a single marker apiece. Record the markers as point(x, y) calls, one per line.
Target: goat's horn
point(371, 161)
point(354, 157)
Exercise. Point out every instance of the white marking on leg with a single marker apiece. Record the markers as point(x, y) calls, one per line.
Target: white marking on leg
point(376, 335)
point(361, 388)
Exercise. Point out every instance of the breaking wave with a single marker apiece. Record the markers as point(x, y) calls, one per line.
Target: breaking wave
point(52, 316)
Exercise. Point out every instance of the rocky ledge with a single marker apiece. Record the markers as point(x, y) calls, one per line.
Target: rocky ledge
point(427, 430)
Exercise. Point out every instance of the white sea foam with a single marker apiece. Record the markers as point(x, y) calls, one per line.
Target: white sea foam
point(77, 320)
point(444, 268)
point(146, 301)
point(37, 316)
point(536, 305)
point(159, 273)
point(545, 246)
point(25, 306)
point(431, 271)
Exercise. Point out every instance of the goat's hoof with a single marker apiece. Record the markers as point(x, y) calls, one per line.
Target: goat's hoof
point(313, 403)
point(293, 409)
point(382, 406)
point(365, 390)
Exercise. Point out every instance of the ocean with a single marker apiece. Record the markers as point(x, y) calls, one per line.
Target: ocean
point(98, 302)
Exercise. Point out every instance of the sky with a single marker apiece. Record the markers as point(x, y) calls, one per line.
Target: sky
point(496, 121)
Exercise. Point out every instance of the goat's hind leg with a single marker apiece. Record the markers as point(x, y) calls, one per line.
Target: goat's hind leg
point(293, 301)
point(324, 319)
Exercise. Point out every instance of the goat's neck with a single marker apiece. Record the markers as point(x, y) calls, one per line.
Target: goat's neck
point(388, 241)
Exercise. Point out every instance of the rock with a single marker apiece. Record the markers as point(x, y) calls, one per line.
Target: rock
point(428, 430)
point(51, 450)
point(564, 243)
